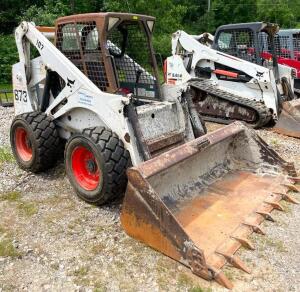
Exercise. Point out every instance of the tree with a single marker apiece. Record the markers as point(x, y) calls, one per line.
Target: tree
point(46, 14)
point(277, 11)
point(234, 11)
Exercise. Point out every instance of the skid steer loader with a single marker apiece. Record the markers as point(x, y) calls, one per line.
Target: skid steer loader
point(261, 43)
point(191, 196)
point(227, 88)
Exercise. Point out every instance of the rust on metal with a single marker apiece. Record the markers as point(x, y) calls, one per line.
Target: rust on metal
point(275, 205)
point(289, 119)
point(255, 228)
point(292, 187)
point(294, 179)
point(163, 142)
point(236, 262)
point(221, 278)
point(246, 243)
point(266, 215)
point(288, 198)
point(199, 202)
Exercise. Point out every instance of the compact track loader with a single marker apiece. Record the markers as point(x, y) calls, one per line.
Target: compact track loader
point(191, 196)
point(227, 88)
point(263, 43)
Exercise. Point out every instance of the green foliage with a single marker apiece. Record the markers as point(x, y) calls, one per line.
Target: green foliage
point(277, 11)
point(46, 14)
point(190, 15)
point(8, 56)
point(7, 249)
point(10, 196)
point(234, 11)
point(5, 155)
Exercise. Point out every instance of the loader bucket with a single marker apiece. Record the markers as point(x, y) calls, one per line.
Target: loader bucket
point(289, 119)
point(197, 203)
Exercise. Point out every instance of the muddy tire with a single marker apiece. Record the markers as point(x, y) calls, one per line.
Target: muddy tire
point(96, 163)
point(34, 141)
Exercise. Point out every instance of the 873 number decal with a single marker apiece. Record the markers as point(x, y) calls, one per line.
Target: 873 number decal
point(20, 95)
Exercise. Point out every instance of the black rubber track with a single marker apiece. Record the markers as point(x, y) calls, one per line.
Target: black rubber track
point(46, 142)
point(262, 112)
point(117, 160)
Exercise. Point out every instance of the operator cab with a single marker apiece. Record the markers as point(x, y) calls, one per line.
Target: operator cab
point(113, 50)
point(253, 42)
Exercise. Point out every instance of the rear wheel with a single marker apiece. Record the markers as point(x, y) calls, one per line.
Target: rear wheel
point(34, 141)
point(96, 163)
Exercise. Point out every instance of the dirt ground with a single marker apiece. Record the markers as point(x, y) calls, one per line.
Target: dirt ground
point(52, 241)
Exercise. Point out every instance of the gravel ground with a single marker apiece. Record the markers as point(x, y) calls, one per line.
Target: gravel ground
point(52, 241)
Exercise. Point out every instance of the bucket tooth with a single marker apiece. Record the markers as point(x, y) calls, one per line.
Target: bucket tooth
point(292, 187)
point(236, 262)
point(221, 278)
point(288, 198)
point(294, 179)
point(246, 243)
point(275, 205)
point(255, 228)
point(266, 215)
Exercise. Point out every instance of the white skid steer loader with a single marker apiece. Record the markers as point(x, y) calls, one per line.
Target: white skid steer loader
point(224, 87)
point(191, 196)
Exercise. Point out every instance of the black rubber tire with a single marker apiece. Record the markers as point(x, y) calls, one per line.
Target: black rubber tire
point(43, 137)
point(112, 159)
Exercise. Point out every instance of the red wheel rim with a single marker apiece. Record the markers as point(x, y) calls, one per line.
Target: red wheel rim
point(23, 144)
point(85, 168)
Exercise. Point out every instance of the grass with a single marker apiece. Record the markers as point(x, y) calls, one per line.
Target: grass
point(5, 86)
point(27, 209)
point(274, 142)
point(5, 155)
point(184, 280)
point(278, 245)
point(10, 196)
point(97, 248)
point(7, 249)
point(82, 271)
point(200, 289)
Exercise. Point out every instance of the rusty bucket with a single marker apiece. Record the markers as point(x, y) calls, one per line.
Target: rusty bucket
point(289, 119)
point(197, 203)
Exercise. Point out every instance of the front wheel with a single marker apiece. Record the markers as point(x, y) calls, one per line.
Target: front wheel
point(35, 141)
point(96, 163)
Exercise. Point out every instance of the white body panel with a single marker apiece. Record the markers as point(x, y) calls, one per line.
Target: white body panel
point(261, 87)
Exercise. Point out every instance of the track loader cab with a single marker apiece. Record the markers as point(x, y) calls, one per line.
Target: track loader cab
point(260, 43)
point(288, 42)
point(113, 50)
point(247, 41)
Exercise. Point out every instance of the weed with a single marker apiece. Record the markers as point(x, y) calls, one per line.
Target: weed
point(82, 271)
point(7, 249)
point(10, 196)
point(229, 274)
point(99, 289)
point(184, 280)
point(200, 289)
point(274, 142)
point(28, 209)
point(97, 248)
point(5, 155)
